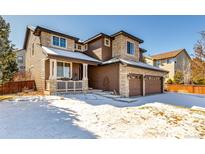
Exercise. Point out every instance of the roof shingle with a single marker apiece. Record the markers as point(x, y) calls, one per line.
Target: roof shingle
point(166, 55)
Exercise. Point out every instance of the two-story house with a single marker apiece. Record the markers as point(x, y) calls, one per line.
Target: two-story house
point(60, 63)
point(173, 61)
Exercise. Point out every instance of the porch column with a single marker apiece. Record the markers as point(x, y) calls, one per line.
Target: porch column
point(53, 69)
point(85, 77)
point(85, 71)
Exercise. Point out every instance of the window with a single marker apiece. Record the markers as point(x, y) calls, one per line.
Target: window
point(22, 67)
point(86, 46)
point(59, 41)
point(158, 63)
point(107, 42)
point(20, 59)
point(55, 41)
point(32, 52)
point(62, 43)
point(63, 70)
point(79, 47)
point(130, 48)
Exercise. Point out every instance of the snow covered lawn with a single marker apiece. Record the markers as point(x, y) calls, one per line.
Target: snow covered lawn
point(94, 116)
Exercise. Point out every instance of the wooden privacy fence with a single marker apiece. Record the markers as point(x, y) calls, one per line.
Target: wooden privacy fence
point(196, 89)
point(17, 86)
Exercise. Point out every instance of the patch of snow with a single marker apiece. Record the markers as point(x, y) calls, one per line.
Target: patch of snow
point(69, 54)
point(95, 116)
point(133, 63)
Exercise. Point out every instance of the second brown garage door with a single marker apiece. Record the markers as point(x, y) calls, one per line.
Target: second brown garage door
point(135, 85)
point(153, 85)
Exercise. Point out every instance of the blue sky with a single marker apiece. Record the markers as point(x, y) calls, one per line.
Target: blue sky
point(160, 33)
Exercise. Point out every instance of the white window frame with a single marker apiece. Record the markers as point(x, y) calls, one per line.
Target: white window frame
point(71, 69)
point(66, 42)
point(80, 47)
point(133, 46)
point(86, 47)
point(107, 39)
point(20, 60)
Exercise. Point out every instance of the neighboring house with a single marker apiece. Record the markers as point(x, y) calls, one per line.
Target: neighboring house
point(20, 59)
point(60, 63)
point(173, 61)
point(149, 60)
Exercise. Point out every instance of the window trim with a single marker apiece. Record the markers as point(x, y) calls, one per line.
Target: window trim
point(22, 61)
point(80, 47)
point(58, 46)
point(134, 48)
point(71, 69)
point(86, 47)
point(107, 39)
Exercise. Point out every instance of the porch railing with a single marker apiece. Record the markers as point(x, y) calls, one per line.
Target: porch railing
point(65, 86)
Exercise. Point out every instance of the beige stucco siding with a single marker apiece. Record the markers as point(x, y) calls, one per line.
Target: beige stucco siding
point(180, 63)
point(36, 63)
point(183, 65)
point(171, 68)
point(46, 40)
point(119, 48)
point(149, 61)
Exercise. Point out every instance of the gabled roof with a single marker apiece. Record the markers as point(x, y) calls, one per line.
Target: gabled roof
point(69, 54)
point(133, 63)
point(96, 37)
point(28, 29)
point(170, 54)
point(39, 29)
point(128, 35)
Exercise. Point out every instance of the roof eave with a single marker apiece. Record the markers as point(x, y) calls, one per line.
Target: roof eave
point(39, 29)
point(127, 34)
point(96, 37)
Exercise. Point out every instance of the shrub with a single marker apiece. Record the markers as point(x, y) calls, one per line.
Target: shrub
point(178, 78)
point(169, 81)
point(199, 82)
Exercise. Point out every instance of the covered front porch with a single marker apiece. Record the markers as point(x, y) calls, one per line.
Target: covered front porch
point(66, 71)
point(65, 76)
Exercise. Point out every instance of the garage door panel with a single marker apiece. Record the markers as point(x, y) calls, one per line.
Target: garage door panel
point(135, 86)
point(153, 85)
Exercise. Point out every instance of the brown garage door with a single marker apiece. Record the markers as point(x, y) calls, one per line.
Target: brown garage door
point(135, 85)
point(153, 85)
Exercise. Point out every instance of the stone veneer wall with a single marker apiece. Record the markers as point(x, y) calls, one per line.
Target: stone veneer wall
point(125, 70)
point(119, 48)
point(35, 63)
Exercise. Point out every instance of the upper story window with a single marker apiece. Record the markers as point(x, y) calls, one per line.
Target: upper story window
point(59, 41)
point(79, 47)
point(158, 62)
point(107, 42)
point(130, 48)
point(86, 46)
point(20, 59)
